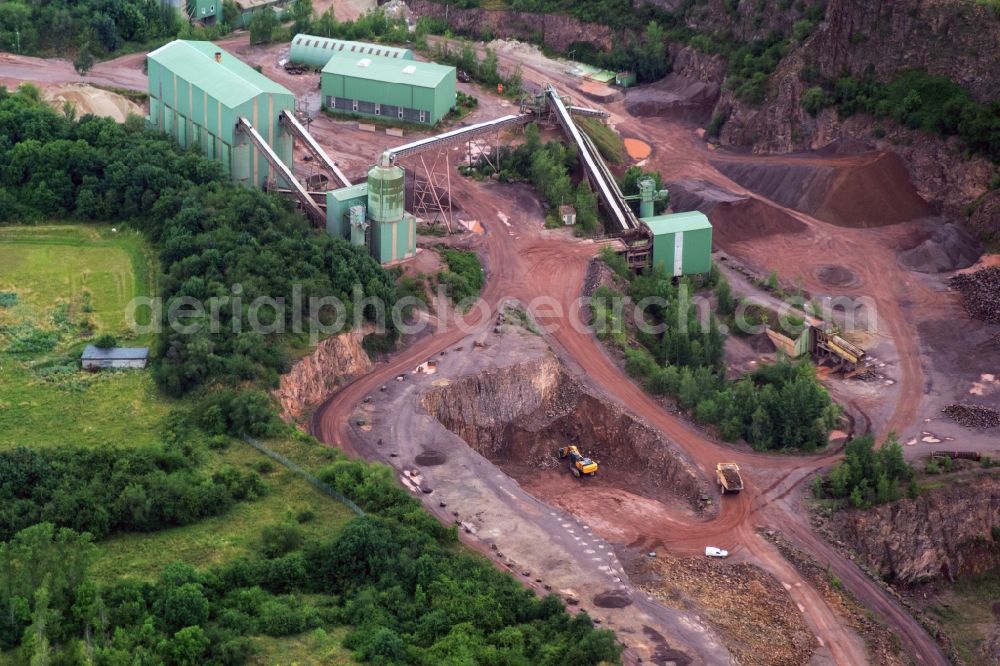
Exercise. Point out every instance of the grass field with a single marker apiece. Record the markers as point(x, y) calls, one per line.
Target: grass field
point(68, 282)
point(59, 287)
point(319, 647)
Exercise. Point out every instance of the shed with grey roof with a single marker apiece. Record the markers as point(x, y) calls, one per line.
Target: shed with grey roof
point(95, 358)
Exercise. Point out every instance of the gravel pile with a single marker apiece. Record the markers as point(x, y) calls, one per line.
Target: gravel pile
point(973, 416)
point(981, 291)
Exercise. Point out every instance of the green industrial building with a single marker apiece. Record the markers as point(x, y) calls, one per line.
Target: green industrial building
point(410, 90)
point(210, 12)
point(372, 214)
point(313, 51)
point(198, 93)
point(682, 242)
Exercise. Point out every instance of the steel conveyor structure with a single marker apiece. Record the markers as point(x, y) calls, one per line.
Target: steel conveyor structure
point(459, 135)
point(597, 170)
point(308, 203)
point(295, 127)
point(587, 112)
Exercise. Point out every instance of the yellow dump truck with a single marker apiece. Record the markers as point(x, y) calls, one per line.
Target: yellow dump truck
point(728, 475)
point(580, 464)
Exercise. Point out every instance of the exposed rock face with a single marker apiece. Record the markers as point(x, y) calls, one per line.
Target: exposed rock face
point(954, 39)
point(556, 31)
point(334, 362)
point(693, 64)
point(986, 218)
point(944, 532)
point(521, 414)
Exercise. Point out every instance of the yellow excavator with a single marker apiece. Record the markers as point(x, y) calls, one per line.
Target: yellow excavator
point(580, 464)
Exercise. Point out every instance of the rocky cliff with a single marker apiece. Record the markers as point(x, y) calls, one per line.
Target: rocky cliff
point(953, 38)
point(958, 39)
point(945, 532)
point(520, 415)
point(556, 31)
point(333, 363)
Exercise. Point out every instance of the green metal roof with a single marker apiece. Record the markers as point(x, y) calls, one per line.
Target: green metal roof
point(668, 224)
point(230, 81)
point(327, 47)
point(350, 192)
point(409, 72)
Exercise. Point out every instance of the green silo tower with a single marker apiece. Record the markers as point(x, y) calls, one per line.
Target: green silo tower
point(394, 233)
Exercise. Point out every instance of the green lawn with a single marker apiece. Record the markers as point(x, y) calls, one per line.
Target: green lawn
point(67, 280)
point(318, 647)
point(70, 283)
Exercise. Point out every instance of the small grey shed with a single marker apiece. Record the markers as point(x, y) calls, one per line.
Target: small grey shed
point(95, 358)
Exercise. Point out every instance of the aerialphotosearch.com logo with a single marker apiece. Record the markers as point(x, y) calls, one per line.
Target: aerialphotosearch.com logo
point(323, 316)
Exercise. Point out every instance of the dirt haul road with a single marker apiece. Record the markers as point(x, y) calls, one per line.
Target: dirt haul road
point(531, 268)
point(523, 264)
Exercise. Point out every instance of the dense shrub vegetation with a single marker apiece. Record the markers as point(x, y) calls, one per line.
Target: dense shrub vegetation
point(393, 577)
point(63, 27)
point(916, 99)
point(215, 239)
point(464, 277)
point(780, 406)
point(484, 70)
point(867, 476)
point(110, 489)
point(547, 167)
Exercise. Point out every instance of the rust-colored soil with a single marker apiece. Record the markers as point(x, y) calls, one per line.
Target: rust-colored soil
point(746, 219)
point(637, 150)
point(756, 619)
point(865, 191)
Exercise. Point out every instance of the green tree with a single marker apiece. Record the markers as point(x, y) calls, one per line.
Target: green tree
point(814, 100)
point(84, 59)
point(326, 24)
point(279, 539)
point(186, 648)
point(231, 14)
point(263, 23)
point(724, 296)
point(106, 341)
point(302, 15)
point(183, 606)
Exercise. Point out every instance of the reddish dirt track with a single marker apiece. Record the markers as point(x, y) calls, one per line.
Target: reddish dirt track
point(525, 265)
point(534, 266)
point(523, 262)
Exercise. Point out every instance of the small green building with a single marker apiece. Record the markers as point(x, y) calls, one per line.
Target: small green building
point(206, 11)
point(197, 93)
point(210, 12)
point(313, 51)
point(338, 208)
point(682, 242)
point(371, 213)
point(410, 90)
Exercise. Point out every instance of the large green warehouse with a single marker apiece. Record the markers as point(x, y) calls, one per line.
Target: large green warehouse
point(198, 92)
point(315, 51)
point(419, 92)
point(682, 242)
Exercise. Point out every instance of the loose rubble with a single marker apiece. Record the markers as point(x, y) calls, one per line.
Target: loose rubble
point(973, 416)
point(981, 291)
